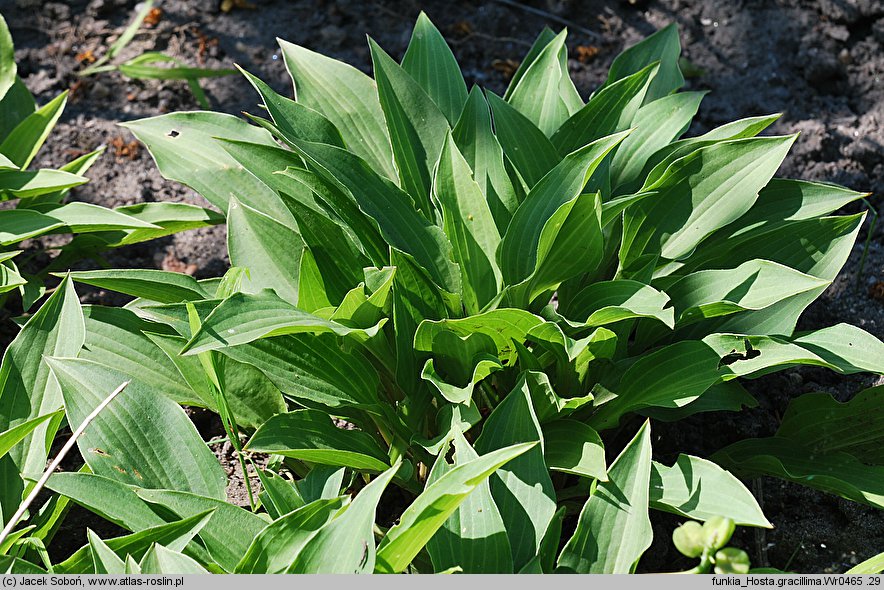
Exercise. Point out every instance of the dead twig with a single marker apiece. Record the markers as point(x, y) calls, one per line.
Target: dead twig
point(57, 461)
point(550, 16)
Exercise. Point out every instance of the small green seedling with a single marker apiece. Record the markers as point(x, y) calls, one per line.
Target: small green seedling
point(707, 542)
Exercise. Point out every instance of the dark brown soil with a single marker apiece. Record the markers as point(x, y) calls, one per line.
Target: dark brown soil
point(819, 62)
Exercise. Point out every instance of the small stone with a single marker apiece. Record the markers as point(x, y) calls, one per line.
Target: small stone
point(845, 57)
point(99, 91)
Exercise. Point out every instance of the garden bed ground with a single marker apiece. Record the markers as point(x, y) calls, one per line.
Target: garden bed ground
point(819, 62)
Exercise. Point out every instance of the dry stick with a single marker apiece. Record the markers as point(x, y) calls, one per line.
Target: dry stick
point(57, 461)
point(550, 16)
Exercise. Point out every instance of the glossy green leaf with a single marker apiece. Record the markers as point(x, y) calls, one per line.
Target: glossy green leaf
point(184, 149)
point(104, 560)
point(469, 224)
point(165, 452)
point(15, 106)
point(7, 59)
point(27, 390)
point(310, 435)
point(474, 537)
point(274, 550)
point(114, 338)
point(432, 65)
point(401, 225)
point(522, 489)
point(614, 530)
point(86, 217)
point(431, 509)
point(23, 184)
point(417, 126)
point(699, 194)
point(538, 93)
point(14, 435)
point(610, 110)
point(26, 139)
point(755, 284)
point(607, 302)
point(17, 225)
point(480, 148)
point(672, 376)
point(269, 249)
point(347, 97)
point(656, 125)
point(573, 447)
point(106, 497)
point(346, 544)
point(662, 46)
point(518, 249)
point(175, 535)
point(244, 318)
point(155, 285)
point(229, 531)
point(699, 489)
point(532, 154)
point(159, 560)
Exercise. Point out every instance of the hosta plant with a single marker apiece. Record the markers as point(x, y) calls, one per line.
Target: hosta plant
point(482, 301)
point(40, 194)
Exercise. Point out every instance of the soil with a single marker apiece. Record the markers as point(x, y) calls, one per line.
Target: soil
point(819, 62)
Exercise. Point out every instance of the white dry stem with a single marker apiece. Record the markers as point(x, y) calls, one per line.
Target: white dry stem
point(57, 461)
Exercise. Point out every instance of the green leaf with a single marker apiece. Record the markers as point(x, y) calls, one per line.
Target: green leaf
point(672, 376)
point(338, 260)
point(184, 148)
point(469, 224)
point(347, 97)
point(15, 106)
point(346, 544)
point(662, 46)
point(607, 302)
point(14, 435)
point(522, 490)
point(147, 456)
point(755, 284)
point(17, 225)
point(16, 184)
point(837, 473)
point(106, 497)
point(610, 110)
point(539, 92)
point(570, 243)
point(159, 560)
point(244, 318)
point(7, 59)
point(699, 194)
point(545, 37)
point(26, 139)
point(532, 154)
point(432, 65)
point(85, 217)
point(501, 325)
point(292, 119)
point(573, 447)
point(229, 531)
point(104, 560)
point(614, 530)
point(168, 218)
point(431, 509)
point(474, 536)
point(155, 285)
point(729, 396)
point(114, 338)
point(278, 495)
point(27, 390)
point(175, 535)
point(310, 435)
point(400, 224)
point(480, 148)
point(322, 483)
point(519, 247)
point(274, 550)
point(269, 249)
point(141, 67)
point(417, 126)
point(873, 565)
point(656, 125)
point(699, 489)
